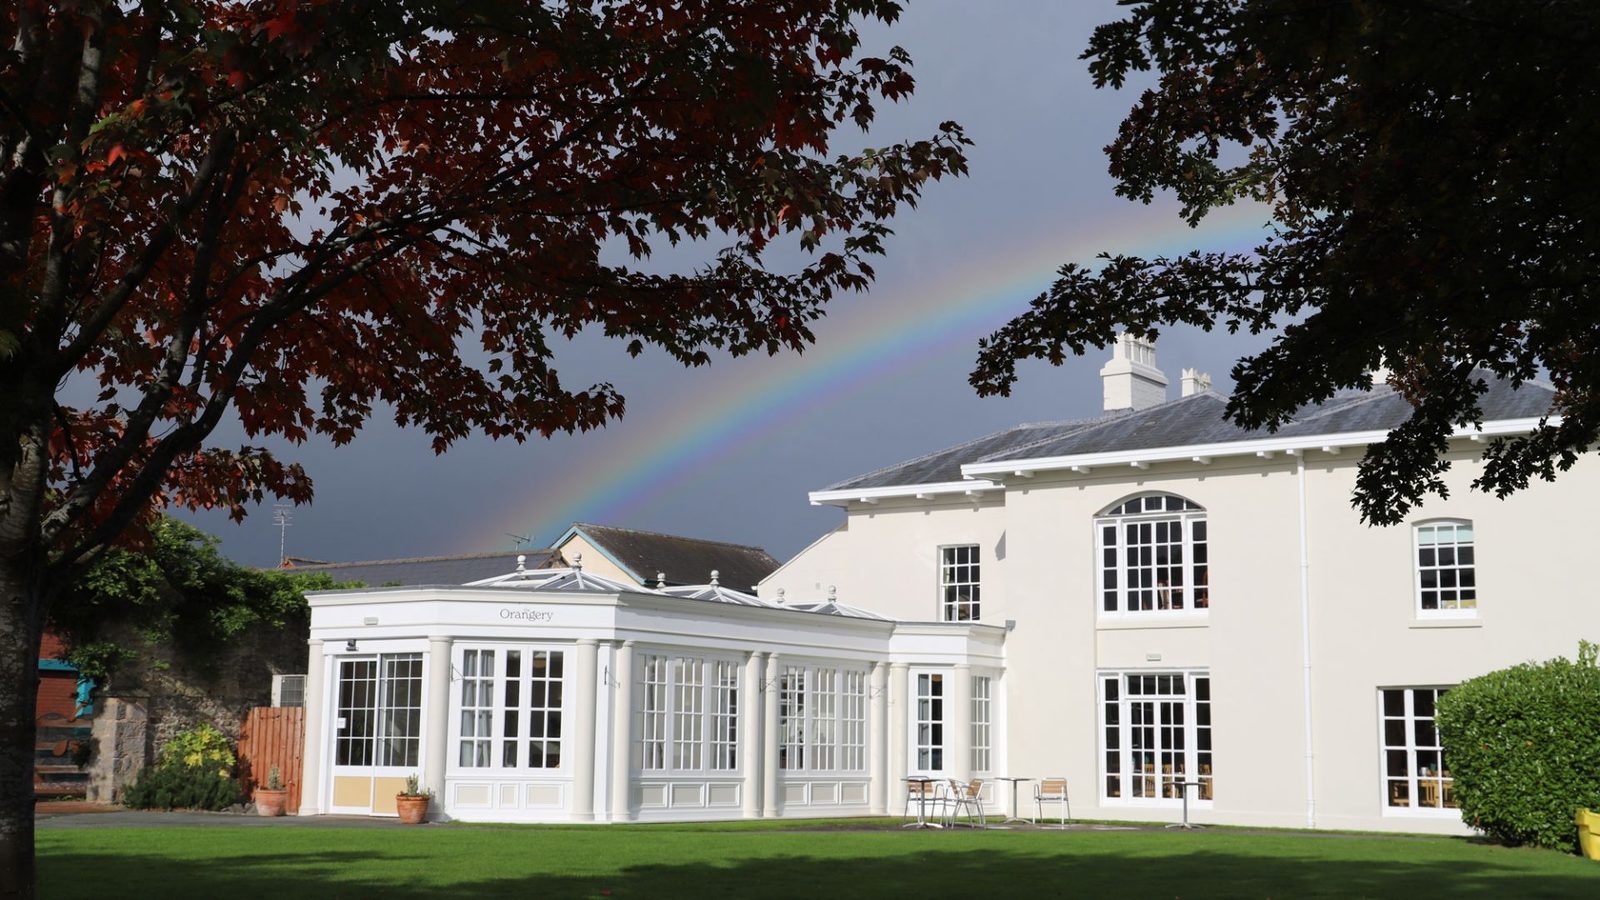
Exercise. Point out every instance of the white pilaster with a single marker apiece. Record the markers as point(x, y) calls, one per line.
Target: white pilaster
point(899, 714)
point(770, 737)
point(877, 752)
point(588, 674)
point(622, 737)
point(316, 712)
point(750, 731)
point(958, 724)
point(435, 719)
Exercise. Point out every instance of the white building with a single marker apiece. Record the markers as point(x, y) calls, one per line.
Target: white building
point(561, 695)
point(1148, 602)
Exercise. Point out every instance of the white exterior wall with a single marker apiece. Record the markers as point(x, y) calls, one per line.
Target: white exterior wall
point(1040, 569)
point(886, 558)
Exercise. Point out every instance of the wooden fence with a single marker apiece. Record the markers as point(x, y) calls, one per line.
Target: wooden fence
point(273, 736)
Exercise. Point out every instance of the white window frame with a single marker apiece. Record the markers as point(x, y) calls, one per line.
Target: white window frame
point(829, 735)
point(497, 710)
point(982, 724)
point(1417, 568)
point(949, 609)
point(1413, 778)
point(1186, 520)
point(921, 715)
point(1192, 727)
point(853, 691)
point(686, 726)
point(723, 715)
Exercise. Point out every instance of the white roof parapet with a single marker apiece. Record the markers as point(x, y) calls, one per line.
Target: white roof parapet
point(1262, 447)
point(916, 491)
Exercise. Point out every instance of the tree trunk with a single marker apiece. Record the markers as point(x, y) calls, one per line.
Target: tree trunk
point(21, 623)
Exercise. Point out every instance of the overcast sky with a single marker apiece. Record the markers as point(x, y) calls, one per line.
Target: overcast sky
point(729, 451)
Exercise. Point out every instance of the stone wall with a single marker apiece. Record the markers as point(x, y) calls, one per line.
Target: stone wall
point(166, 692)
point(121, 748)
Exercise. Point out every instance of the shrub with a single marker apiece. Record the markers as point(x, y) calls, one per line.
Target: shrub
point(1523, 745)
point(195, 772)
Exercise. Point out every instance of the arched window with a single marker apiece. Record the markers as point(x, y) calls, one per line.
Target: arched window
point(1447, 570)
point(1153, 555)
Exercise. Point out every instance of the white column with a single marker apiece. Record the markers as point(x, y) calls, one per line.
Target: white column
point(622, 737)
point(316, 713)
point(899, 713)
point(437, 728)
point(958, 724)
point(770, 738)
point(750, 732)
point(588, 674)
point(877, 752)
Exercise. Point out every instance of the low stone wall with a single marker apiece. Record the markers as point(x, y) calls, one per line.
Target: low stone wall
point(149, 703)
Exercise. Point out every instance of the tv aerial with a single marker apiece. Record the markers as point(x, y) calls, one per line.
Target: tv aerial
point(283, 517)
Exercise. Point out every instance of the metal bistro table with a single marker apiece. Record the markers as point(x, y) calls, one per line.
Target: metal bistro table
point(926, 785)
point(1184, 786)
point(1015, 813)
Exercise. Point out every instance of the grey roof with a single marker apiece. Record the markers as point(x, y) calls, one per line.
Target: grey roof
point(714, 593)
point(571, 580)
point(1188, 421)
point(835, 608)
point(429, 569)
point(683, 560)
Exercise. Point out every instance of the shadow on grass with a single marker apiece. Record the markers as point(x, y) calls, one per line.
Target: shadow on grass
point(333, 873)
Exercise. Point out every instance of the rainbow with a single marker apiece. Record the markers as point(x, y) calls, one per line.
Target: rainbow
point(869, 341)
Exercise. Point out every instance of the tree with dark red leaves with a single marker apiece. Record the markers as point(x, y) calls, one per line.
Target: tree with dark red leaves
point(297, 212)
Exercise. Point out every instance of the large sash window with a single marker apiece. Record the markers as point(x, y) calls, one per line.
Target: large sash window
point(687, 715)
point(510, 708)
point(1154, 556)
point(822, 713)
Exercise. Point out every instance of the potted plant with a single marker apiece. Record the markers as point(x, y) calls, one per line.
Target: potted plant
point(272, 798)
point(412, 803)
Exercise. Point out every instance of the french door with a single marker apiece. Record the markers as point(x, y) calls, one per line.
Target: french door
point(1156, 737)
point(377, 729)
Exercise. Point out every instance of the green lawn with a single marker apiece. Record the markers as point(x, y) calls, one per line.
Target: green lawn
point(302, 863)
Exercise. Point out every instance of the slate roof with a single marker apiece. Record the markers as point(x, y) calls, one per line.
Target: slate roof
point(429, 569)
point(683, 560)
point(1184, 422)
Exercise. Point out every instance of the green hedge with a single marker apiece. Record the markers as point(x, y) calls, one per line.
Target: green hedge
point(1523, 745)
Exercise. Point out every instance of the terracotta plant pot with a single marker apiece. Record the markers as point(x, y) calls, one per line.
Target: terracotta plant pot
point(271, 803)
point(412, 809)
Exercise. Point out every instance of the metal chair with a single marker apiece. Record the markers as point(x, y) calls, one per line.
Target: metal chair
point(967, 796)
point(1052, 790)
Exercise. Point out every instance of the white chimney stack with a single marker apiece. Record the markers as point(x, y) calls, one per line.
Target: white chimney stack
point(1195, 381)
point(1131, 378)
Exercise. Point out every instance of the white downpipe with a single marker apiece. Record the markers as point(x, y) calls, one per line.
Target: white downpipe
point(1305, 648)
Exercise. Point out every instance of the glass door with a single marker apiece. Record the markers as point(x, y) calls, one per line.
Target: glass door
point(377, 731)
